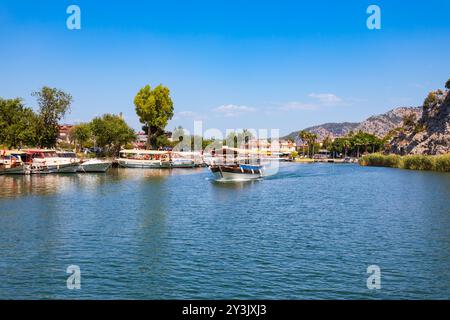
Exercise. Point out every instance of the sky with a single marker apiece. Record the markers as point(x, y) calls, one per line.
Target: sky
point(232, 64)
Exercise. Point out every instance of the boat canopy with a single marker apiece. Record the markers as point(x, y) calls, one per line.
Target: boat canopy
point(137, 151)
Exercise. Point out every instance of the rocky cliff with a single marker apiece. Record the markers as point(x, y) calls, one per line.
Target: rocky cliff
point(430, 134)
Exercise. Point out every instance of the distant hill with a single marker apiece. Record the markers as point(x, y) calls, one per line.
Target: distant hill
point(378, 125)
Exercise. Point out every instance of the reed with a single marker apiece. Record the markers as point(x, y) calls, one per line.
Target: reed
point(411, 162)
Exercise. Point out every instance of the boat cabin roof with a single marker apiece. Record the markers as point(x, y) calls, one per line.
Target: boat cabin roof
point(137, 151)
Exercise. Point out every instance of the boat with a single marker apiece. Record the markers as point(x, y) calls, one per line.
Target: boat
point(89, 165)
point(159, 159)
point(94, 165)
point(144, 159)
point(180, 159)
point(12, 162)
point(237, 172)
point(228, 165)
point(48, 161)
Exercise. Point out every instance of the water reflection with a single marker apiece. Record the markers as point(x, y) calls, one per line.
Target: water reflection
point(12, 186)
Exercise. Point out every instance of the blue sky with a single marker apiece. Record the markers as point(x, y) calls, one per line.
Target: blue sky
point(232, 64)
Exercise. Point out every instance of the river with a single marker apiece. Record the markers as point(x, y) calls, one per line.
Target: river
point(309, 232)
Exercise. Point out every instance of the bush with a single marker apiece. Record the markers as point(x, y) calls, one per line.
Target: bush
point(418, 162)
point(442, 163)
point(412, 162)
point(380, 160)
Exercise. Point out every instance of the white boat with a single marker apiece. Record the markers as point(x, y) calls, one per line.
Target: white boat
point(144, 159)
point(48, 161)
point(181, 159)
point(237, 172)
point(94, 165)
point(12, 162)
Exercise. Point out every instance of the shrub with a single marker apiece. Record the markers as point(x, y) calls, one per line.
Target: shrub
point(377, 159)
point(412, 162)
point(442, 163)
point(418, 162)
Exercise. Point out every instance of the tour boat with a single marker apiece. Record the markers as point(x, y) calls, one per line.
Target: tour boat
point(94, 165)
point(159, 159)
point(237, 172)
point(12, 162)
point(48, 161)
point(144, 159)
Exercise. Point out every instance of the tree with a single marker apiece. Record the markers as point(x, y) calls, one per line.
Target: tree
point(17, 124)
point(326, 143)
point(409, 120)
point(53, 106)
point(238, 139)
point(430, 100)
point(155, 109)
point(310, 139)
point(111, 132)
point(447, 84)
point(81, 134)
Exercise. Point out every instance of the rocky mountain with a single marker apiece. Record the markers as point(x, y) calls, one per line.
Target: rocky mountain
point(327, 129)
point(378, 125)
point(430, 134)
point(381, 124)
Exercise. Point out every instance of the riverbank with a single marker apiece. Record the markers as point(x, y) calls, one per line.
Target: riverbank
point(439, 163)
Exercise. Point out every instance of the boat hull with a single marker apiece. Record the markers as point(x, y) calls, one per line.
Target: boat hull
point(142, 164)
point(98, 166)
point(16, 170)
point(235, 173)
point(55, 168)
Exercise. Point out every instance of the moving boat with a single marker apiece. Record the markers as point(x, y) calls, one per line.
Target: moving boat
point(232, 164)
point(48, 161)
point(12, 162)
point(237, 172)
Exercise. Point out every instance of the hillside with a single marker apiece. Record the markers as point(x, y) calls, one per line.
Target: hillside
point(430, 134)
point(378, 125)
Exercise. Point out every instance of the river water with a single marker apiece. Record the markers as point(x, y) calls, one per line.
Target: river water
point(309, 232)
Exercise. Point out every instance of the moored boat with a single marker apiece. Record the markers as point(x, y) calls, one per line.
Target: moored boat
point(94, 165)
point(12, 162)
point(48, 161)
point(144, 159)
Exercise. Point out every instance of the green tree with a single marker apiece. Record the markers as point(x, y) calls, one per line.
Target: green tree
point(447, 84)
point(430, 100)
point(111, 132)
point(53, 106)
point(155, 109)
point(17, 124)
point(326, 143)
point(310, 138)
point(81, 134)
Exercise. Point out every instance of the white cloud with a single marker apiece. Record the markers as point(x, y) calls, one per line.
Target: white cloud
point(232, 110)
point(326, 98)
point(295, 105)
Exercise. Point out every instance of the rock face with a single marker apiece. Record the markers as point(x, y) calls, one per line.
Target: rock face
point(327, 129)
point(381, 124)
point(430, 134)
point(378, 125)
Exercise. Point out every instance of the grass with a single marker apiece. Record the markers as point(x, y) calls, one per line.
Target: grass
point(411, 162)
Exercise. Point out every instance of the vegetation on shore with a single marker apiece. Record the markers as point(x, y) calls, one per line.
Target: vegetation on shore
point(439, 163)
